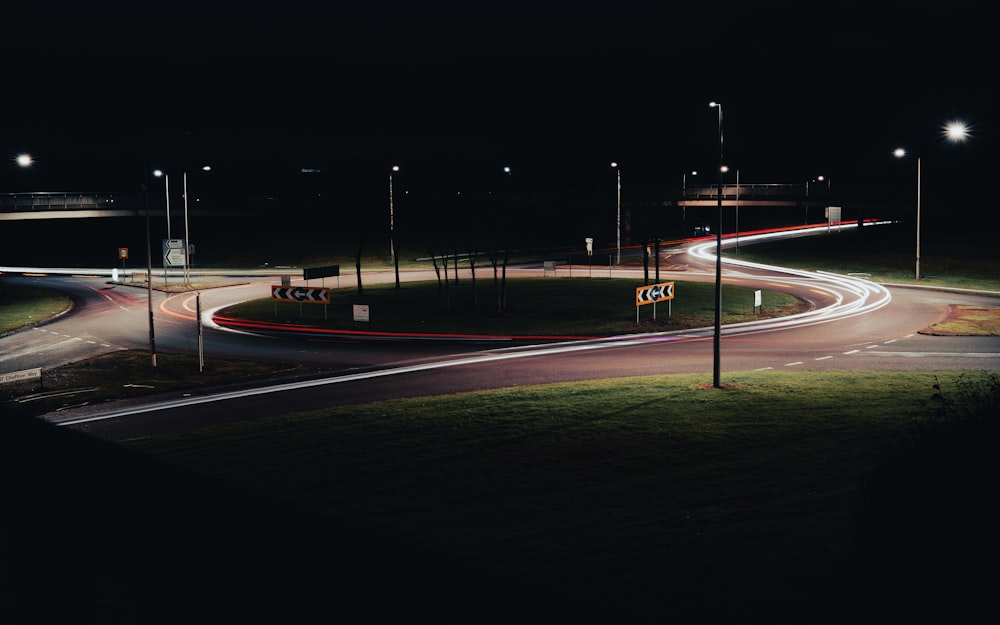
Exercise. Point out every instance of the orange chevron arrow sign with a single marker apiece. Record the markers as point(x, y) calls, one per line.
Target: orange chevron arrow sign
point(654, 293)
point(300, 294)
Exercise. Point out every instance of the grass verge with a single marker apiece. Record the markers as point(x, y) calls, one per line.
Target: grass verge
point(638, 496)
point(26, 305)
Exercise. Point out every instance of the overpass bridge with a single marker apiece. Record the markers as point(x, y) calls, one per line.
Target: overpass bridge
point(75, 205)
point(87, 204)
point(745, 195)
point(65, 204)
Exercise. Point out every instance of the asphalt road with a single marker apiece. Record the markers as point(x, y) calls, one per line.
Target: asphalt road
point(854, 324)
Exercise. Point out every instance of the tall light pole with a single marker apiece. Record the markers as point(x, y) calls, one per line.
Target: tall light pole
point(684, 205)
point(159, 173)
point(717, 336)
point(149, 279)
point(392, 227)
point(187, 240)
point(955, 132)
point(618, 221)
point(737, 211)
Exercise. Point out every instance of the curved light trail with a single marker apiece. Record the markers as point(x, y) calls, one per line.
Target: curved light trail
point(851, 296)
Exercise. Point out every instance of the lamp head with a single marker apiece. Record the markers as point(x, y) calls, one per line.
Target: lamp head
point(956, 131)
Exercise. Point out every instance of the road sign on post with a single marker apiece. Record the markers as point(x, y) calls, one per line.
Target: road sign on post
point(308, 273)
point(300, 294)
point(652, 293)
point(173, 253)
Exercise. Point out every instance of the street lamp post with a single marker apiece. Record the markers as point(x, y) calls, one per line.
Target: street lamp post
point(166, 191)
point(392, 228)
point(737, 211)
point(717, 336)
point(955, 132)
point(187, 240)
point(618, 220)
point(684, 203)
point(149, 282)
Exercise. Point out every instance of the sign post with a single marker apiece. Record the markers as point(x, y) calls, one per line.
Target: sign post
point(651, 294)
point(301, 295)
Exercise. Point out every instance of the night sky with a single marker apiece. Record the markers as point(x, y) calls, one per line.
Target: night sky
point(97, 92)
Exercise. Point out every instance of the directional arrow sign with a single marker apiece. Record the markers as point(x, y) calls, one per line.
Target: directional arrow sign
point(654, 293)
point(300, 294)
point(173, 252)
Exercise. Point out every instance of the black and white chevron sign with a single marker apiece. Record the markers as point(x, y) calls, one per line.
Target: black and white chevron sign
point(300, 294)
point(654, 293)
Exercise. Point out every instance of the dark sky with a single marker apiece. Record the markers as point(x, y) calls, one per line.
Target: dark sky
point(93, 88)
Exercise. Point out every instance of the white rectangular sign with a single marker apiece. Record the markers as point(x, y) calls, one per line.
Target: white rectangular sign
point(361, 312)
point(20, 376)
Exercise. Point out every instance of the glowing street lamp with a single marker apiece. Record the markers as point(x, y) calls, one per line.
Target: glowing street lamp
point(717, 336)
point(618, 222)
point(684, 202)
point(955, 132)
point(392, 227)
point(24, 160)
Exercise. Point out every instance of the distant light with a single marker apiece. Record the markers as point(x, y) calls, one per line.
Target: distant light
point(158, 173)
point(506, 169)
point(207, 168)
point(724, 168)
point(395, 168)
point(956, 131)
point(309, 170)
point(25, 160)
point(899, 152)
point(614, 164)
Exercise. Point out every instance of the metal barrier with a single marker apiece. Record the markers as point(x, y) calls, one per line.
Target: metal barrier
point(47, 200)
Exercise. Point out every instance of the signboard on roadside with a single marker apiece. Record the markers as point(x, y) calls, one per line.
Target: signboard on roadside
point(653, 293)
point(300, 294)
point(21, 376)
point(308, 273)
point(173, 253)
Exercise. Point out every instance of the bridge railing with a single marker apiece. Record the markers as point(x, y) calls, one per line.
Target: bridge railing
point(773, 191)
point(66, 200)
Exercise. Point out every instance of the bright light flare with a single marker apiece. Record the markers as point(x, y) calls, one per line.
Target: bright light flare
point(24, 160)
point(956, 131)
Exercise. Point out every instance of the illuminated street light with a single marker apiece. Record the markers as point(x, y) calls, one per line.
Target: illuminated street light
point(618, 222)
point(955, 132)
point(392, 227)
point(187, 240)
point(717, 336)
point(166, 182)
point(24, 160)
point(684, 202)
